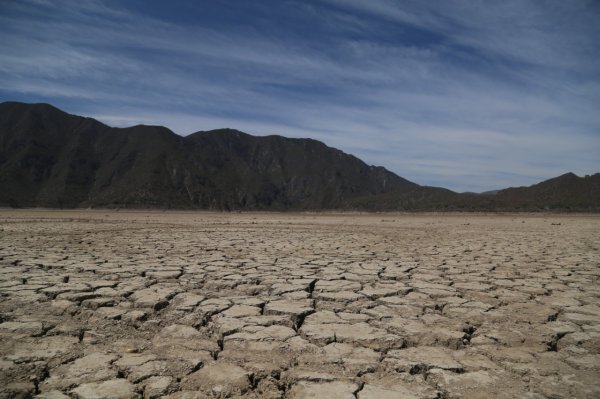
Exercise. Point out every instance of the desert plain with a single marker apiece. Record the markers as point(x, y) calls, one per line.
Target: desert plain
point(124, 304)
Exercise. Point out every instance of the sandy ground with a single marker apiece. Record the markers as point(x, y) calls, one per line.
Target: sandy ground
point(104, 304)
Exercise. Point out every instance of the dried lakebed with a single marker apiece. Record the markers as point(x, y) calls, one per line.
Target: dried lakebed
point(105, 304)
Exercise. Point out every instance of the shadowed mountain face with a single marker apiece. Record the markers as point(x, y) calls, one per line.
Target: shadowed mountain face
point(52, 159)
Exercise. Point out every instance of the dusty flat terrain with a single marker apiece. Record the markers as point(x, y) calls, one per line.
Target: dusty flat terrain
point(106, 304)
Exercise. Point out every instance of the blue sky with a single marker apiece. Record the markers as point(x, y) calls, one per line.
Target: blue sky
point(469, 95)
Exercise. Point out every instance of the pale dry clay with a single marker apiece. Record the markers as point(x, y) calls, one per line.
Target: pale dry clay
point(106, 304)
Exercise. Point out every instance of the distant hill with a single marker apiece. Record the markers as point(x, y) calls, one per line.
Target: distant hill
point(564, 193)
point(568, 192)
point(50, 158)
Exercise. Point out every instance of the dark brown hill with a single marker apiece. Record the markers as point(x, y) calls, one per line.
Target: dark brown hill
point(53, 159)
point(50, 158)
point(567, 192)
point(268, 171)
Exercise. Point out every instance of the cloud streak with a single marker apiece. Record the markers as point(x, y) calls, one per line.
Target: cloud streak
point(472, 96)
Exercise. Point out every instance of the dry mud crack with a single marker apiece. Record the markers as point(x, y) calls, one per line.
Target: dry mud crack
point(103, 304)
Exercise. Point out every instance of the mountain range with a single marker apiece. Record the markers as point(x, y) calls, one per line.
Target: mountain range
point(49, 158)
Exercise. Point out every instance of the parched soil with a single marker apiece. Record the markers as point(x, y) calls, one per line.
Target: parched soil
point(107, 304)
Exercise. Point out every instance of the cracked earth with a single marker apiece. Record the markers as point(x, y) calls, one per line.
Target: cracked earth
point(106, 304)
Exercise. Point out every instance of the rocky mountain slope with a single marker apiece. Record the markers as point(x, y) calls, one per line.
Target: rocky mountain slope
point(50, 158)
point(53, 159)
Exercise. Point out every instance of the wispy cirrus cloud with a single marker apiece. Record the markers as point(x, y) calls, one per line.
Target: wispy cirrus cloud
point(468, 95)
